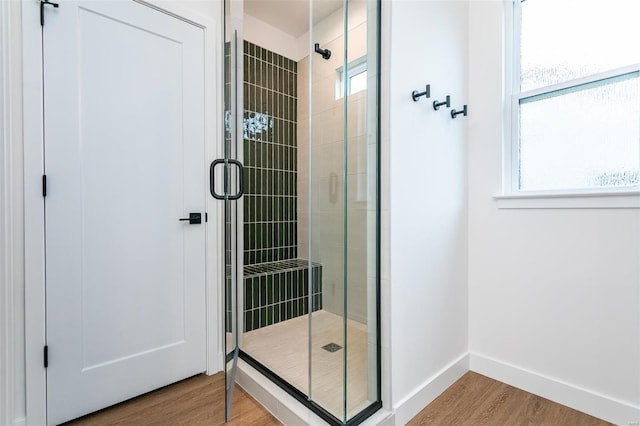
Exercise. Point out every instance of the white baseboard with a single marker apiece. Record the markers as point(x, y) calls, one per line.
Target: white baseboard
point(592, 403)
point(411, 405)
point(291, 412)
point(20, 421)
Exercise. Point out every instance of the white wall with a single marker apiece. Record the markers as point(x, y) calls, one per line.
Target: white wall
point(210, 9)
point(272, 38)
point(554, 295)
point(427, 190)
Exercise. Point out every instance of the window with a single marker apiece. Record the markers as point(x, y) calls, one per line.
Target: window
point(357, 78)
point(575, 107)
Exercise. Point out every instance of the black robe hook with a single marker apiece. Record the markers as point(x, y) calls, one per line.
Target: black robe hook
point(326, 53)
point(455, 113)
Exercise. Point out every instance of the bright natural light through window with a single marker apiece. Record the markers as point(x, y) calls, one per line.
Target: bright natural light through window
point(358, 82)
point(357, 78)
point(575, 118)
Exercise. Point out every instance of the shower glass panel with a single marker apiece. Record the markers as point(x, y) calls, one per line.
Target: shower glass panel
point(361, 207)
point(225, 172)
point(326, 209)
point(301, 103)
point(275, 275)
point(344, 208)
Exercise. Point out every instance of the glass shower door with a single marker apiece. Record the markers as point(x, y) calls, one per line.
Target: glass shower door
point(326, 204)
point(343, 211)
point(301, 250)
point(228, 171)
point(275, 281)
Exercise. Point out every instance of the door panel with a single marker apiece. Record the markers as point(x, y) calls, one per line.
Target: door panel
point(124, 146)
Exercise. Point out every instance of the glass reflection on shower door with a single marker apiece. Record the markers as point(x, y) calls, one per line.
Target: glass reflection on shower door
point(276, 272)
point(361, 146)
point(343, 164)
point(230, 174)
point(327, 221)
point(302, 261)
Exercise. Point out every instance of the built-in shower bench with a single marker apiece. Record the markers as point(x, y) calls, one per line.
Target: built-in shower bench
point(277, 291)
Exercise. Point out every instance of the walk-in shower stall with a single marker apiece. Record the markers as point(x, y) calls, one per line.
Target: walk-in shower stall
point(300, 185)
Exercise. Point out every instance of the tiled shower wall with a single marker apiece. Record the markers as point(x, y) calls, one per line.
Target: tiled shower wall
point(328, 181)
point(275, 280)
point(270, 156)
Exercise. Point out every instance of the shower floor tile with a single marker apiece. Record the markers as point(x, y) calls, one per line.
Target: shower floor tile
point(284, 348)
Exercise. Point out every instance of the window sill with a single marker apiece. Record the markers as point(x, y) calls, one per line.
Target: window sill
point(584, 200)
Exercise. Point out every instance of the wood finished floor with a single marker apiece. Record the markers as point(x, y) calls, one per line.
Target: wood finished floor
point(195, 401)
point(476, 400)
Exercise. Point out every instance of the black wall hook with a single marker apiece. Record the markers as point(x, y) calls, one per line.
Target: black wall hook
point(44, 3)
point(447, 102)
point(415, 95)
point(454, 113)
point(326, 53)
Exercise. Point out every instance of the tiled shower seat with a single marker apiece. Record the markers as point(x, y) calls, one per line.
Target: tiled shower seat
point(277, 291)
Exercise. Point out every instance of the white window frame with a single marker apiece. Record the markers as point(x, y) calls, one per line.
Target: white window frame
point(354, 68)
point(512, 196)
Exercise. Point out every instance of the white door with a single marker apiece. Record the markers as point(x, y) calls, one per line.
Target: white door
point(124, 159)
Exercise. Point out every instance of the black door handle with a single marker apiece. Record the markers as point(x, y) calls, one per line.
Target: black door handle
point(226, 195)
point(194, 218)
point(240, 180)
point(214, 194)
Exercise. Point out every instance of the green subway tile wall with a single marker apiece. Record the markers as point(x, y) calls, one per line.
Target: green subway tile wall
point(270, 156)
point(276, 282)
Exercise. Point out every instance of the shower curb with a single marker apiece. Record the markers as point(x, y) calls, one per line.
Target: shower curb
point(279, 403)
point(284, 407)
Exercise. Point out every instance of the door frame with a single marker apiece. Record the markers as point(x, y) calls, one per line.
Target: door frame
point(11, 212)
point(34, 231)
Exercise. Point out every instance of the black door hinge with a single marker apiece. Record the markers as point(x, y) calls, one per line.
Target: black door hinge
point(42, 5)
point(46, 356)
point(44, 185)
point(206, 217)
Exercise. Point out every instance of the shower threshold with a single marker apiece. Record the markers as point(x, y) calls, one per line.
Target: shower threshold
point(290, 410)
point(280, 351)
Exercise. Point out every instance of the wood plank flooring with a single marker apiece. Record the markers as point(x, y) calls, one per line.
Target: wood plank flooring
point(195, 401)
point(476, 400)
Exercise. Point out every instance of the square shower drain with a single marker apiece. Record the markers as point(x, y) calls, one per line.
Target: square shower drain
point(332, 347)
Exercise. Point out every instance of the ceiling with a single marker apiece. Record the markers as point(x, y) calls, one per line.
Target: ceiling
point(291, 16)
